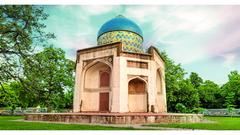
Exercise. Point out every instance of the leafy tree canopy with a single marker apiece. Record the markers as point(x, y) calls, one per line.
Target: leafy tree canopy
point(21, 30)
point(210, 95)
point(8, 97)
point(179, 90)
point(195, 79)
point(49, 75)
point(233, 86)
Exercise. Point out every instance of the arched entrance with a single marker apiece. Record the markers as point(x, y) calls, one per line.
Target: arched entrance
point(137, 95)
point(97, 81)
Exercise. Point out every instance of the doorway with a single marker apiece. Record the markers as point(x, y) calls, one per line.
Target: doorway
point(104, 102)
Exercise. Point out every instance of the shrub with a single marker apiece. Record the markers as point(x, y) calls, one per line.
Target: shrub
point(181, 108)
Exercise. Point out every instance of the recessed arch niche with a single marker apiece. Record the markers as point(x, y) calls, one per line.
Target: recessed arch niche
point(137, 95)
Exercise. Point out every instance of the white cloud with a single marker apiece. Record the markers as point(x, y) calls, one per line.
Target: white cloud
point(229, 60)
point(195, 19)
point(95, 10)
point(167, 21)
point(142, 13)
point(77, 43)
point(174, 18)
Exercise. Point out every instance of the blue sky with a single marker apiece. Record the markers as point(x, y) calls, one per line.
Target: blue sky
point(204, 39)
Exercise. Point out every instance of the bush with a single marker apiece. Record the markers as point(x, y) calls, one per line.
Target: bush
point(181, 108)
point(198, 110)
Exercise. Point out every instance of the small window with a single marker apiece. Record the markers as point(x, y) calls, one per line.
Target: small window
point(104, 79)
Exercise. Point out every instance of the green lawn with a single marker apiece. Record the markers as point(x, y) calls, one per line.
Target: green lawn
point(217, 123)
point(9, 123)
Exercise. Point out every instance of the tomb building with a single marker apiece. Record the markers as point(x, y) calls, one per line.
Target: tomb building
point(117, 75)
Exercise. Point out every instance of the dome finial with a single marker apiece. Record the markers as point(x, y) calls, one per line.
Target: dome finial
point(120, 16)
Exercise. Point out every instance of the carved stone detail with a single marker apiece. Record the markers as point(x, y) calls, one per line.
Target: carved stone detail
point(108, 59)
point(141, 76)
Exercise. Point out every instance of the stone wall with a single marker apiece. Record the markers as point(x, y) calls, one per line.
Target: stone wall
point(115, 118)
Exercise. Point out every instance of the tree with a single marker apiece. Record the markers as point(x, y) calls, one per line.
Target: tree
point(25, 98)
point(174, 74)
point(21, 30)
point(229, 102)
point(195, 79)
point(179, 90)
point(210, 95)
point(8, 97)
point(46, 77)
point(232, 86)
point(187, 95)
point(49, 76)
point(68, 99)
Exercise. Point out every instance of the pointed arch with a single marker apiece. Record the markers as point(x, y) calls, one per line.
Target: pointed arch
point(96, 61)
point(96, 77)
point(137, 85)
point(137, 95)
point(137, 77)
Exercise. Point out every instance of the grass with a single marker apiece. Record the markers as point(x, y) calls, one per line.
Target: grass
point(216, 123)
point(10, 123)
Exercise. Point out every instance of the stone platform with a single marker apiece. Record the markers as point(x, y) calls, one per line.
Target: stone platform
point(115, 118)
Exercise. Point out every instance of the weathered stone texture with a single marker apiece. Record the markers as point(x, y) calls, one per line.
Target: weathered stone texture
point(115, 118)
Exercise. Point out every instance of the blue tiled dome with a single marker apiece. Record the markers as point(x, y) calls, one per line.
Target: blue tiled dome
point(120, 23)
